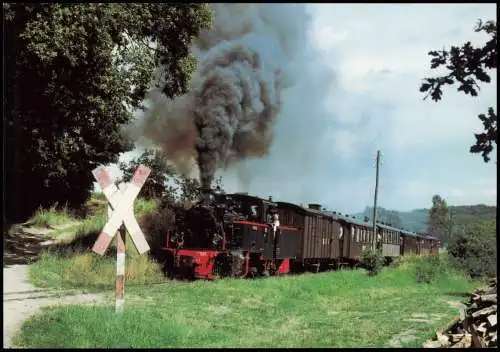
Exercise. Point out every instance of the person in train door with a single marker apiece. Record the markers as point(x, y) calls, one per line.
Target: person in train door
point(379, 240)
point(276, 222)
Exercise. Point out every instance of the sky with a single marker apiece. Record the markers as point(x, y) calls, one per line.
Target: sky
point(356, 92)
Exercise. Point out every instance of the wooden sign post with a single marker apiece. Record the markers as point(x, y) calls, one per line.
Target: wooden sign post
point(120, 217)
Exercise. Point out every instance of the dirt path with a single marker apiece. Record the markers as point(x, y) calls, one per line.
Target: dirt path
point(21, 300)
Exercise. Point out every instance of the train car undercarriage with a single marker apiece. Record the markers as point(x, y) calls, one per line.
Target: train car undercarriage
point(212, 264)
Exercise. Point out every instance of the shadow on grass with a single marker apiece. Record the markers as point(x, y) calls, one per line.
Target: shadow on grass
point(21, 248)
point(458, 294)
point(82, 243)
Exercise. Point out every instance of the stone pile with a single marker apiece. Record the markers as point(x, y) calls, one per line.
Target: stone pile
point(477, 325)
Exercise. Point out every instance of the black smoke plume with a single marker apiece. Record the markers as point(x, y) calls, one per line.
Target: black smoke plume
point(230, 112)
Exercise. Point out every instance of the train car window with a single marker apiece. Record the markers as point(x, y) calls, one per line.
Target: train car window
point(341, 232)
point(357, 235)
point(352, 234)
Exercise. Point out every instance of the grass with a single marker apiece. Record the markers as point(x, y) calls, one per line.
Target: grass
point(52, 217)
point(335, 309)
point(72, 265)
point(91, 272)
point(96, 207)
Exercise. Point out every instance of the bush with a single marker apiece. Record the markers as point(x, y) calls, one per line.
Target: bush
point(155, 227)
point(427, 269)
point(372, 261)
point(474, 248)
point(433, 269)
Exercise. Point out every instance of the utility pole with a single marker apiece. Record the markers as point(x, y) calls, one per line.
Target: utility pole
point(375, 202)
point(450, 225)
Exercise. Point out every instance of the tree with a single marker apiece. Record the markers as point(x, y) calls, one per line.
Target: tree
point(74, 72)
point(438, 221)
point(383, 215)
point(219, 183)
point(190, 189)
point(156, 185)
point(392, 217)
point(467, 66)
point(474, 245)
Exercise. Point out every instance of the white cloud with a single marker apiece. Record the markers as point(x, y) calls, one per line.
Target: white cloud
point(325, 38)
point(376, 103)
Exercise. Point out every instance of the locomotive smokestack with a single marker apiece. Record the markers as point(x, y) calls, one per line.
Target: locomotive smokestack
point(205, 193)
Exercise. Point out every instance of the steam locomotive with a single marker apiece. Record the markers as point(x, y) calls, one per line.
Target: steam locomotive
point(239, 235)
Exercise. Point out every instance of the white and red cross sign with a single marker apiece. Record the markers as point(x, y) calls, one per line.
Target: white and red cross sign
point(122, 204)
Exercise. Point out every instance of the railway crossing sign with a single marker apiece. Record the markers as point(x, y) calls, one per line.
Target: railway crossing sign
point(120, 211)
point(121, 203)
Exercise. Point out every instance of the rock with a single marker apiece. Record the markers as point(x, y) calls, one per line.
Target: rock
point(443, 339)
point(481, 328)
point(489, 298)
point(432, 344)
point(484, 311)
point(454, 338)
point(492, 319)
point(476, 325)
point(465, 342)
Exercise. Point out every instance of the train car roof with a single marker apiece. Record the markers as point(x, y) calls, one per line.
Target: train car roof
point(352, 220)
point(388, 227)
point(305, 210)
point(424, 235)
point(250, 197)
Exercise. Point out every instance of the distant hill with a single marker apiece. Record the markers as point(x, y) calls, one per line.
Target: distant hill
point(416, 220)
